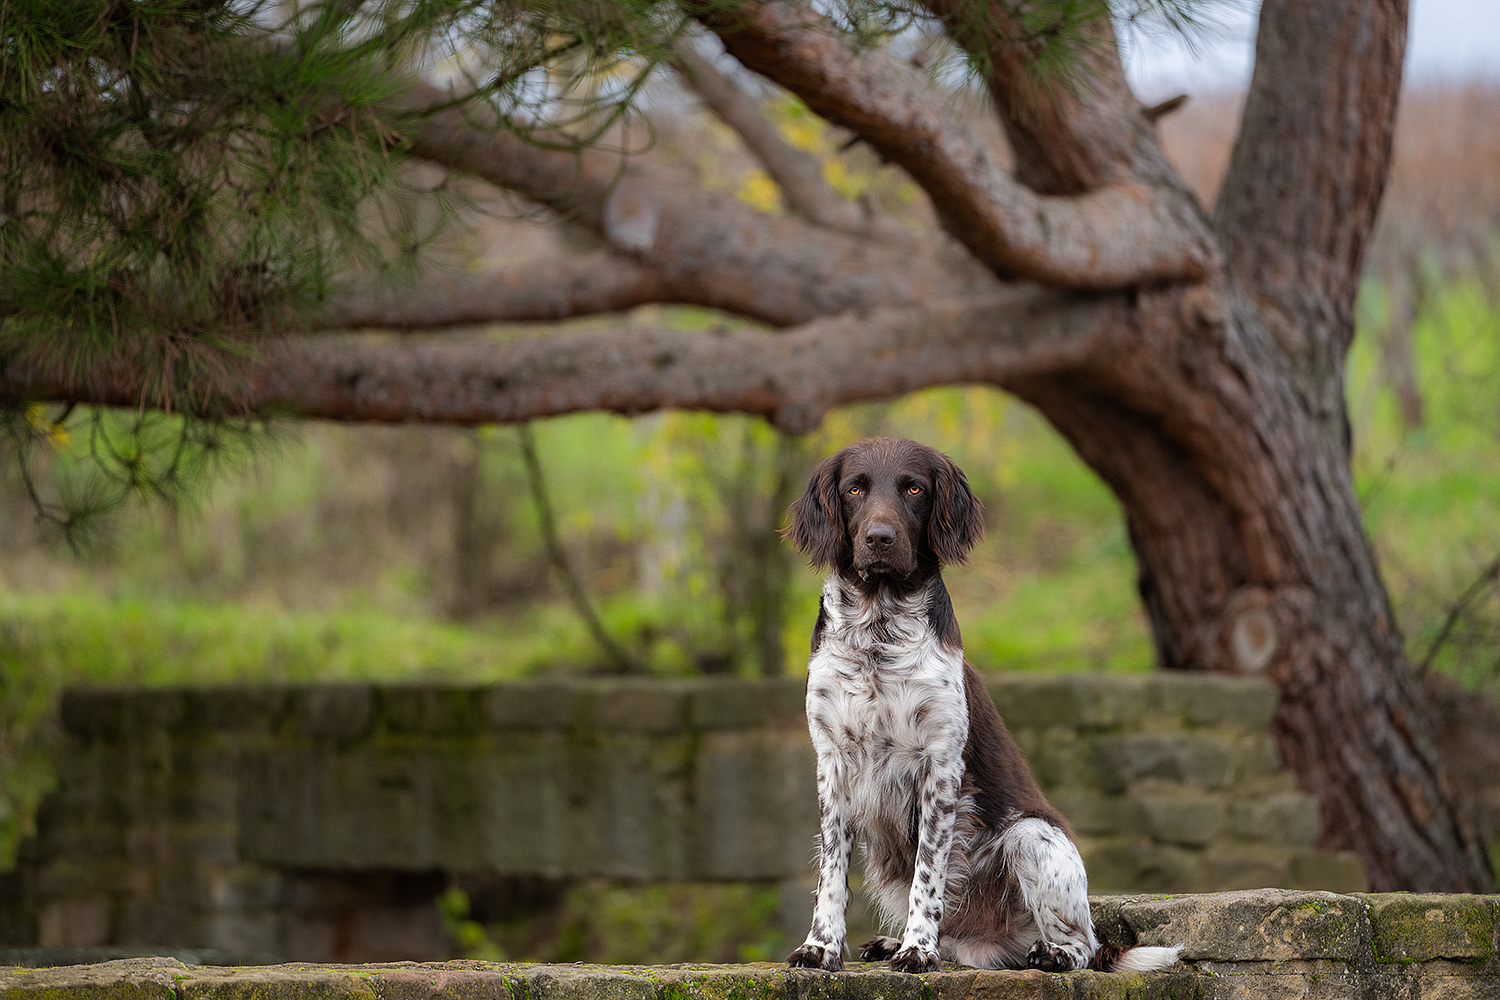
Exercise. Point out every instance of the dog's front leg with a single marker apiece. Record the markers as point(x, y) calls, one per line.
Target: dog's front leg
point(824, 948)
point(938, 790)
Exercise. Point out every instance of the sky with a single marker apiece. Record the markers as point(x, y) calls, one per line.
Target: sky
point(1449, 39)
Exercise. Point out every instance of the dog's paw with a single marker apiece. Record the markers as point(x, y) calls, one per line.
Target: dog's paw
point(914, 959)
point(816, 956)
point(1050, 958)
point(878, 949)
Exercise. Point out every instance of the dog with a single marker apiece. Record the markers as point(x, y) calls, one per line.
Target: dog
point(961, 848)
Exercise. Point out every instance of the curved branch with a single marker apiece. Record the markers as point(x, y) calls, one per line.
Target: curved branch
point(1115, 236)
point(1310, 163)
point(798, 174)
point(707, 249)
point(792, 378)
point(1072, 129)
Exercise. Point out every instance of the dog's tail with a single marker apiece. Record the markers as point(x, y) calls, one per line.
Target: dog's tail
point(1114, 958)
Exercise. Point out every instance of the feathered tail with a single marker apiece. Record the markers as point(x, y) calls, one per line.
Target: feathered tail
point(1113, 958)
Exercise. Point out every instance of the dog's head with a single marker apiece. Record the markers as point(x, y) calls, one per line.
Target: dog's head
point(886, 511)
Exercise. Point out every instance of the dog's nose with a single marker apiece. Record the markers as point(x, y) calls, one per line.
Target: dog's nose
point(880, 536)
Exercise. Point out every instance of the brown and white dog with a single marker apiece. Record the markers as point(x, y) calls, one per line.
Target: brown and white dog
point(961, 848)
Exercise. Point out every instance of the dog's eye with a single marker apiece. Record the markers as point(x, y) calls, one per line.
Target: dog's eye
point(914, 490)
point(854, 491)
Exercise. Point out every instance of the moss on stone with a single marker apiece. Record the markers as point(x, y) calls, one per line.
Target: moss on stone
point(1418, 927)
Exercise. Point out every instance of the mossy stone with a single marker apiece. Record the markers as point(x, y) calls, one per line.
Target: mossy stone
point(1262, 925)
point(1417, 927)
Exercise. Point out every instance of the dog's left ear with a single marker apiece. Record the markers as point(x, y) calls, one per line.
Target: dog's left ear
point(956, 523)
point(817, 526)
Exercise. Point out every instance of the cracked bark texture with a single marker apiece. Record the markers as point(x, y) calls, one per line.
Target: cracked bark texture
point(1193, 358)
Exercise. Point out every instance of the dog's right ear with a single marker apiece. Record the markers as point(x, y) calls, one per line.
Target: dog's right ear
point(817, 527)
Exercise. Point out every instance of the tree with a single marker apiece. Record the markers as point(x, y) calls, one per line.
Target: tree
point(1193, 356)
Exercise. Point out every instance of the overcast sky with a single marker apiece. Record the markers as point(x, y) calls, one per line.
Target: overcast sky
point(1450, 39)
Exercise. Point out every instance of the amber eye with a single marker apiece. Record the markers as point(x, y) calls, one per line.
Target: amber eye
point(914, 490)
point(854, 491)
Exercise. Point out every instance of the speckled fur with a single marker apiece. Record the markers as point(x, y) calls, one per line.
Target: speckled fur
point(962, 851)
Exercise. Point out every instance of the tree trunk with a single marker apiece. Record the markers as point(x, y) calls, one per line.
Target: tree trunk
point(1253, 559)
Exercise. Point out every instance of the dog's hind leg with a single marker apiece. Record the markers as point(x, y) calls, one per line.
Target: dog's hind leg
point(1055, 890)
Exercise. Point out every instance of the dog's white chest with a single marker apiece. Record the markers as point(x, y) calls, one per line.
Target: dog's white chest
point(885, 698)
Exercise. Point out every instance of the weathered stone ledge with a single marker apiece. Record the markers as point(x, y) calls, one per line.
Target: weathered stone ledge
point(1262, 943)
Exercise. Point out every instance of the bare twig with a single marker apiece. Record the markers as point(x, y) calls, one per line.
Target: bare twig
point(1487, 578)
point(622, 660)
point(798, 174)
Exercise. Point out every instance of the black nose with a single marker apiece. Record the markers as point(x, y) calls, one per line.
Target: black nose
point(880, 536)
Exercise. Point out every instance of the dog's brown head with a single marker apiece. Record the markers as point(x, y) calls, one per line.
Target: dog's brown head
point(886, 511)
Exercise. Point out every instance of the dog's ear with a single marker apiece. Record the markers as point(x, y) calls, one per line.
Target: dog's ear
point(956, 523)
point(817, 527)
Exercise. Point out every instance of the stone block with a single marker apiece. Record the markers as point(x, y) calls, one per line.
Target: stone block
point(758, 981)
point(1033, 701)
point(93, 712)
point(1334, 871)
point(756, 807)
point(452, 981)
point(244, 887)
point(1132, 864)
point(244, 933)
point(1110, 700)
point(277, 982)
point(154, 711)
point(1256, 758)
point(342, 712)
point(1417, 927)
point(1056, 756)
point(74, 923)
point(249, 709)
point(1286, 819)
point(550, 982)
point(640, 706)
point(1180, 816)
point(1221, 700)
point(1200, 761)
point(533, 705)
point(1233, 865)
point(1088, 701)
point(1278, 980)
point(425, 708)
point(1459, 987)
point(121, 979)
point(1088, 811)
point(732, 703)
point(1259, 925)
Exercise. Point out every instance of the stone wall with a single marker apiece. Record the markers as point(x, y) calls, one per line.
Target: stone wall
point(1237, 946)
point(280, 821)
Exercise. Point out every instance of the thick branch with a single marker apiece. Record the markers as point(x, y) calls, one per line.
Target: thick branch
point(1115, 236)
point(792, 377)
point(706, 249)
point(600, 282)
point(1072, 129)
point(798, 174)
point(1313, 153)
